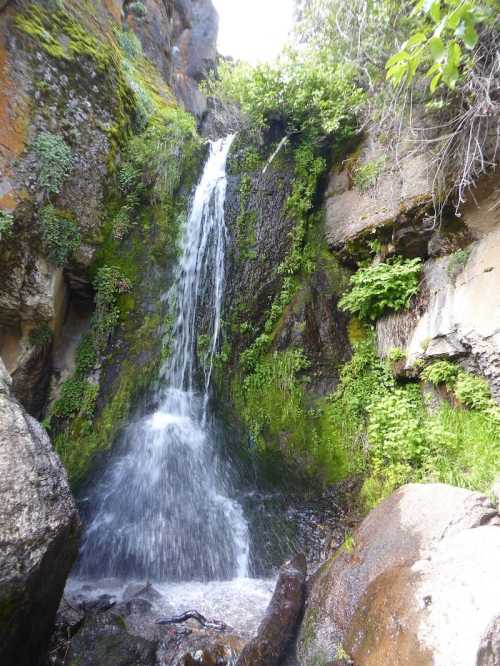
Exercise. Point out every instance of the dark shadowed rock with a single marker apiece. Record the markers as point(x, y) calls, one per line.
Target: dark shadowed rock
point(39, 529)
point(104, 640)
point(279, 624)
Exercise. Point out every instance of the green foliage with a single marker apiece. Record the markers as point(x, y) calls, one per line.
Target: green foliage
point(41, 336)
point(457, 262)
point(54, 161)
point(383, 287)
point(109, 283)
point(396, 354)
point(6, 224)
point(444, 33)
point(138, 9)
point(130, 44)
point(60, 234)
point(310, 95)
point(366, 175)
point(473, 392)
point(441, 372)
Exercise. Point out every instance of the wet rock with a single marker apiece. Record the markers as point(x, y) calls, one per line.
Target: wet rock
point(145, 591)
point(189, 646)
point(413, 558)
point(280, 622)
point(104, 640)
point(39, 529)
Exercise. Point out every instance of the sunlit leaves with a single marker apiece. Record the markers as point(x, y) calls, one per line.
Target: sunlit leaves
point(443, 28)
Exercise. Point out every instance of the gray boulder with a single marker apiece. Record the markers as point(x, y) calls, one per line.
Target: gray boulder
point(420, 585)
point(39, 529)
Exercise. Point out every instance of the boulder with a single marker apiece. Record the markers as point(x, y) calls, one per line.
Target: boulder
point(280, 622)
point(39, 529)
point(424, 555)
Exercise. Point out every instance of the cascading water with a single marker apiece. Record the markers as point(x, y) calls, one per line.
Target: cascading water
point(162, 511)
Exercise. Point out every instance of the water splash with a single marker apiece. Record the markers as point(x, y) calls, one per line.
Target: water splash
point(162, 510)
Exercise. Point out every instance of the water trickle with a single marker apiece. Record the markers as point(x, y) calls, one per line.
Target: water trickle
point(163, 509)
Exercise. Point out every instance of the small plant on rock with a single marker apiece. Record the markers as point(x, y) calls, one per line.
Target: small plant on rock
point(54, 161)
point(441, 372)
point(365, 176)
point(41, 336)
point(138, 9)
point(473, 392)
point(457, 262)
point(59, 233)
point(384, 287)
point(6, 224)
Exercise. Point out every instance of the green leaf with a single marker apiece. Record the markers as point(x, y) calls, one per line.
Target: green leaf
point(415, 40)
point(437, 48)
point(470, 36)
point(454, 54)
point(435, 82)
point(436, 11)
point(397, 57)
point(456, 16)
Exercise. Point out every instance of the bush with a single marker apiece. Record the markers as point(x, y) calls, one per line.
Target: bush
point(138, 9)
point(441, 372)
point(366, 175)
point(54, 161)
point(109, 283)
point(473, 392)
point(60, 235)
point(130, 44)
point(457, 262)
point(6, 224)
point(41, 336)
point(383, 287)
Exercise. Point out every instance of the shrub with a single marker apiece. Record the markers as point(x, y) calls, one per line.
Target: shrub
point(382, 287)
point(41, 336)
point(366, 175)
point(59, 233)
point(54, 161)
point(473, 392)
point(441, 372)
point(6, 224)
point(457, 262)
point(130, 44)
point(138, 9)
point(109, 283)
point(396, 354)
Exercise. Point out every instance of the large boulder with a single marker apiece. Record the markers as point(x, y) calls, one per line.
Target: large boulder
point(420, 585)
point(280, 622)
point(39, 529)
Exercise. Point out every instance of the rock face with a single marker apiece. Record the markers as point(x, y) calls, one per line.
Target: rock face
point(461, 316)
point(279, 624)
point(39, 528)
point(426, 556)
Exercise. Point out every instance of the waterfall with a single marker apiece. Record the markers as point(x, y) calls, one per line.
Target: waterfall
point(163, 509)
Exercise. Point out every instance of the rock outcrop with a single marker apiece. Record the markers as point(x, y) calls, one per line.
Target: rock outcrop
point(460, 316)
point(280, 622)
point(419, 585)
point(39, 528)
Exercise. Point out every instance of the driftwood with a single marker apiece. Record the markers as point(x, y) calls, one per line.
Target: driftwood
point(194, 615)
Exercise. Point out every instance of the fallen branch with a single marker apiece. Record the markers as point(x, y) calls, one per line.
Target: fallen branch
point(194, 615)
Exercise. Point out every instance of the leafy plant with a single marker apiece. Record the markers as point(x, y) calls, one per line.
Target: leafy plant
point(109, 283)
point(6, 224)
point(445, 29)
point(473, 392)
point(396, 354)
point(366, 175)
point(383, 287)
point(54, 161)
point(130, 44)
point(59, 233)
point(457, 262)
point(41, 336)
point(441, 372)
point(138, 9)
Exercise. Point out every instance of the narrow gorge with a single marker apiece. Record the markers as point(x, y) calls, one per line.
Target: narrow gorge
point(249, 334)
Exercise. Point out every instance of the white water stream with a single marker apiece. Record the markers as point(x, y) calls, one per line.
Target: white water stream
point(163, 510)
